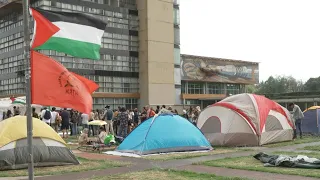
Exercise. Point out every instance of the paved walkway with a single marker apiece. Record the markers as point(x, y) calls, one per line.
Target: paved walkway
point(140, 164)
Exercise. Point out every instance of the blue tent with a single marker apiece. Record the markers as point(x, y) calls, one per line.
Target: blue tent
point(162, 134)
point(311, 121)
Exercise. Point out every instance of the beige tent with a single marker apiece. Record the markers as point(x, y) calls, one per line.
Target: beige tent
point(246, 120)
point(49, 148)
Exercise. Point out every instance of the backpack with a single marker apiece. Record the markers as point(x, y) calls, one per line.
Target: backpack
point(109, 115)
point(47, 115)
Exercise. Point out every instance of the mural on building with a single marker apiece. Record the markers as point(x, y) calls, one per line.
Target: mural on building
point(218, 70)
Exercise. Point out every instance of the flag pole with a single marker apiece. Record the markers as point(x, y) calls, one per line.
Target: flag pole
point(25, 7)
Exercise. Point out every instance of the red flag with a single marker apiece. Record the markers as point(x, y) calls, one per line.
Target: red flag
point(91, 85)
point(43, 29)
point(53, 85)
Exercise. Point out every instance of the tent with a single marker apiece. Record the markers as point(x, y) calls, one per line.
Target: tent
point(311, 120)
point(49, 148)
point(246, 120)
point(163, 134)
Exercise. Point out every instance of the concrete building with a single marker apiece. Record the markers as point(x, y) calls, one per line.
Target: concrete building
point(139, 54)
point(206, 80)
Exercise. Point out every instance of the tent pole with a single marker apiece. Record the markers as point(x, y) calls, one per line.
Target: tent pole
point(25, 4)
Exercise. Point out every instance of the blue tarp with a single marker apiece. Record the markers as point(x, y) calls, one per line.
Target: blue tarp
point(163, 134)
point(311, 121)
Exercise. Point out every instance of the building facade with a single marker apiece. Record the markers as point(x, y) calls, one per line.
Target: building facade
point(207, 80)
point(140, 60)
point(139, 53)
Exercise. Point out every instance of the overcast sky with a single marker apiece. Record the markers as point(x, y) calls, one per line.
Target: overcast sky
point(283, 35)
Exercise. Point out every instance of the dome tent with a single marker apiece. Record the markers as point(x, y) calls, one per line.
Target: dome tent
point(163, 134)
point(246, 120)
point(48, 147)
point(311, 120)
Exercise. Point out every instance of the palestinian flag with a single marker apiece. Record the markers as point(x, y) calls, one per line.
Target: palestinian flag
point(75, 34)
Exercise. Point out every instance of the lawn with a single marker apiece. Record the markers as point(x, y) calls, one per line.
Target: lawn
point(165, 175)
point(86, 165)
point(305, 139)
point(312, 148)
point(172, 156)
point(250, 163)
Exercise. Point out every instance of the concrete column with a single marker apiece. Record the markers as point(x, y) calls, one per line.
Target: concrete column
point(156, 52)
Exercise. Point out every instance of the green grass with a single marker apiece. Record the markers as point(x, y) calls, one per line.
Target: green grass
point(86, 165)
point(312, 148)
point(176, 156)
point(165, 175)
point(305, 139)
point(250, 163)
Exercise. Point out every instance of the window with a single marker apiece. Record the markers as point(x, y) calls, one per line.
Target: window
point(233, 89)
point(177, 36)
point(176, 56)
point(215, 88)
point(176, 16)
point(195, 88)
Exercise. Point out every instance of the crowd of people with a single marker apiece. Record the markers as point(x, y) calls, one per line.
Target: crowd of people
point(119, 122)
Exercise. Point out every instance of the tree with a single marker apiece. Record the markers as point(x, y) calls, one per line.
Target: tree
point(313, 84)
point(280, 84)
point(251, 89)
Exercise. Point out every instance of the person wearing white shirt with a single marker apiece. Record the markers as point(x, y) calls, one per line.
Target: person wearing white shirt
point(85, 120)
point(45, 116)
point(54, 115)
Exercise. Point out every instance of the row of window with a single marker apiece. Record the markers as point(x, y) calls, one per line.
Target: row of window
point(11, 81)
point(117, 16)
point(107, 62)
point(114, 103)
point(108, 35)
point(12, 69)
point(10, 38)
point(119, 23)
point(119, 42)
point(115, 3)
point(68, 58)
point(110, 79)
point(210, 88)
point(79, 8)
point(12, 91)
point(114, 19)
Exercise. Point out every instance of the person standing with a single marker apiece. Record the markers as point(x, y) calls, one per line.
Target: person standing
point(65, 116)
point(108, 116)
point(124, 121)
point(46, 115)
point(54, 117)
point(91, 118)
point(85, 121)
point(297, 116)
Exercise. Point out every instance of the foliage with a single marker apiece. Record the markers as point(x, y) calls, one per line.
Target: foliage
point(313, 84)
point(280, 84)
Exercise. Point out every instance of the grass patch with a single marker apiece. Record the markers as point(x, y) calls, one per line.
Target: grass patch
point(172, 156)
point(250, 163)
point(305, 139)
point(165, 175)
point(86, 165)
point(312, 148)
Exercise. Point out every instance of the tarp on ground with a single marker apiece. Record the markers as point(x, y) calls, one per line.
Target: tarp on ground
point(299, 161)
